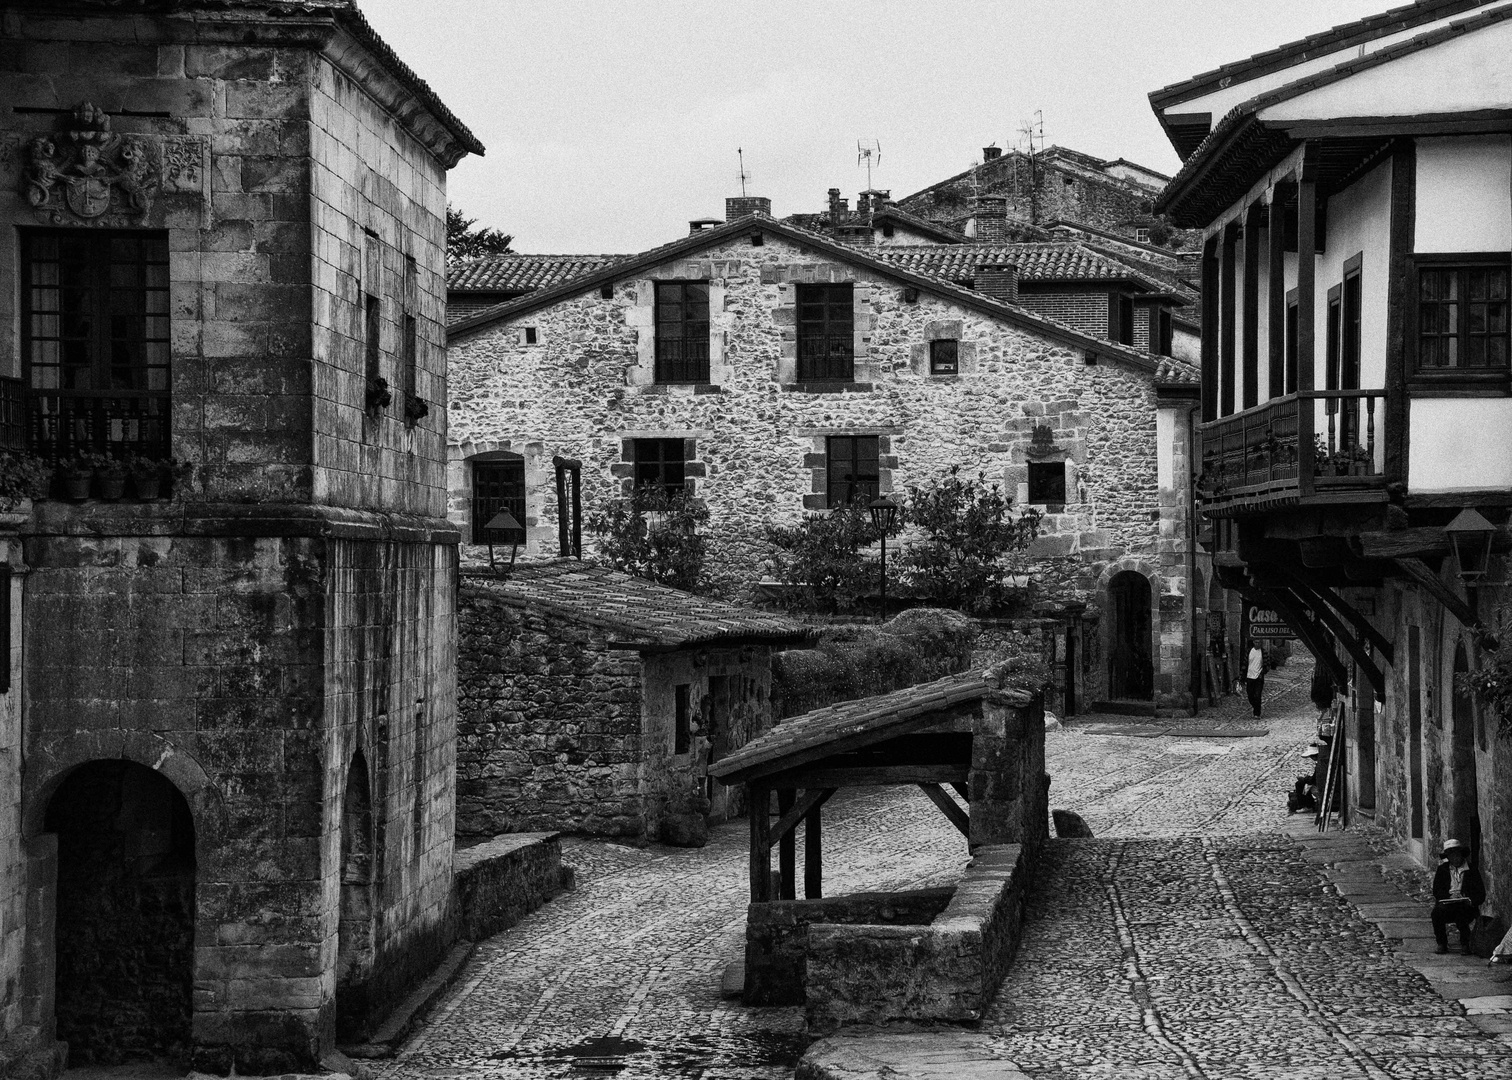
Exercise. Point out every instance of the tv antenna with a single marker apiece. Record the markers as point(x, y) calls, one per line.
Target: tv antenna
point(868, 151)
point(744, 176)
point(1034, 131)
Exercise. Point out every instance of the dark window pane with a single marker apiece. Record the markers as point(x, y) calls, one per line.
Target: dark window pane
point(1047, 483)
point(826, 329)
point(682, 332)
point(853, 474)
point(498, 485)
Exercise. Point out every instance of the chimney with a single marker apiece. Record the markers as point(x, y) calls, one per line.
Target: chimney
point(880, 199)
point(991, 153)
point(863, 204)
point(698, 225)
point(998, 280)
point(746, 205)
point(837, 205)
point(991, 218)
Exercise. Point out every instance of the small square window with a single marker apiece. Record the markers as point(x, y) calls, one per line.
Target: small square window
point(661, 463)
point(1142, 235)
point(606, 292)
point(1047, 484)
point(530, 335)
point(944, 357)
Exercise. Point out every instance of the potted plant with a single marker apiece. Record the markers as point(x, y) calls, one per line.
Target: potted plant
point(146, 477)
point(23, 476)
point(78, 473)
point(111, 472)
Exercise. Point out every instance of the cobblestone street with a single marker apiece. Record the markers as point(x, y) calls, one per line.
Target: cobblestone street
point(1191, 939)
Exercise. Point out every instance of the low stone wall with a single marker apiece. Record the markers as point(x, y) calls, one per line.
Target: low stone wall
point(777, 934)
point(497, 883)
point(872, 973)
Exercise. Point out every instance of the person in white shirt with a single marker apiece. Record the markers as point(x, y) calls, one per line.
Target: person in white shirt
point(1254, 675)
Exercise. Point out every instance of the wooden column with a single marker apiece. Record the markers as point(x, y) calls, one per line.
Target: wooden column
point(787, 851)
point(761, 842)
point(1275, 295)
point(813, 857)
point(1210, 329)
point(1400, 285)
point(1226, 314)
point(1252, 305)
point(1307, 250)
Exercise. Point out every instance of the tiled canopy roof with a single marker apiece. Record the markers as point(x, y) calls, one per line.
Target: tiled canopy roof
point(851, 725)
point(521, 273)
point(1173, 371)
point(1062, 261)
point(638, 611)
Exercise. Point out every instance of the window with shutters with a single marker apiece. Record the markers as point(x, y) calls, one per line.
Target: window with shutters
point(682, 331)
point(852, 465)
point(826, 333)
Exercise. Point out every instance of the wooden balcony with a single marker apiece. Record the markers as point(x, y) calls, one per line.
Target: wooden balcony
point(1312, 447)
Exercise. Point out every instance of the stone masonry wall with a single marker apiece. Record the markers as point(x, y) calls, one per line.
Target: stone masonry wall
point(759, 439)
point(13, 890)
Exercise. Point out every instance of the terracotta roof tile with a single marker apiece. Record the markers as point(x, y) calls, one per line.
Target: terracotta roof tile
point(639, 611)
point(1055, 261)
point(521, 273)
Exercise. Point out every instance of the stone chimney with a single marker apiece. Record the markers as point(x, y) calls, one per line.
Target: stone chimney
point(698, 225)
point(991, 218)
point(998, 280)
point(837, 205)
point(746, 205)
point(991, 153)
point(863, 204)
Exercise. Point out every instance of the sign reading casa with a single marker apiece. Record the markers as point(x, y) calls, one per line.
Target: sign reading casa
point(1265, 623)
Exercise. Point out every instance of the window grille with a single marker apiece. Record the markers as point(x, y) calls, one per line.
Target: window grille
point(682, 332)
point(498, 485)
point(826, 333)
point(660, 463)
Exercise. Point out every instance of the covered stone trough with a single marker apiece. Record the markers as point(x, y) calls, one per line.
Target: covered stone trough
point(930, 954)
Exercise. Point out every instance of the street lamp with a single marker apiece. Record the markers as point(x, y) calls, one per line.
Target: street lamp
point(503, 520)
point(883, 513)
point(1470, 535)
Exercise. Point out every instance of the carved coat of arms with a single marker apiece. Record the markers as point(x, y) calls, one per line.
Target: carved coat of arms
point(89, 170)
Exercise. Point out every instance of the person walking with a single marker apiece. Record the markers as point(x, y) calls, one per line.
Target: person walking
point(1457, 895)
point(1254, 675)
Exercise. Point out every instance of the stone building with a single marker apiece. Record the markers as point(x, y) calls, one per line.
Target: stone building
point(230, 840)
point(592, 701)
point(771, 371)
point(1353, 201)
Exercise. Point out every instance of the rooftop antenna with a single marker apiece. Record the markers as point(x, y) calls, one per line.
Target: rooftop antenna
point(744, 176)
point(868, 150)
point(1032, 131)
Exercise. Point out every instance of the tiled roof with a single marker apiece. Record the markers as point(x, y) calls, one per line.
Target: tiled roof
point(521, 273)
point(852, 725)
point(1177, 372)
point(1062, 261)
point(640, 612)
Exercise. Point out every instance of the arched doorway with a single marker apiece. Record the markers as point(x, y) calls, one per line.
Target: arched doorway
point(1466, 815)
point(1130, 674)
point(354, 934)
point(125, 914)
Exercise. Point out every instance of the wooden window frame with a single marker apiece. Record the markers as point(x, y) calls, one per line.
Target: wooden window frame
point(485, 506)
point(1121, 318)
point(1495, 381)
point(1052, 473)
point(684, 358)
point(660, 463)
point(941, 364)
point(1290, 331)
point(1351, 301)
point(844, 474)
point(1331, 330)
point(826, 345)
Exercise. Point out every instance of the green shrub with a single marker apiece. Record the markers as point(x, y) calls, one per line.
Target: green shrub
point(820, 561)
point(1491, 682)
point(654, 535)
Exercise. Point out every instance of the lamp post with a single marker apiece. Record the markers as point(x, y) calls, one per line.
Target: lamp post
point(503, 520)
point(1470, 535)
point(883, 513)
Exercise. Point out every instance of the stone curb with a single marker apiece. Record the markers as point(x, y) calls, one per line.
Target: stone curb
point(412, 1010)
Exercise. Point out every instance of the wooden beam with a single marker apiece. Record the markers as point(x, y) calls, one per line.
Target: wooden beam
point(759, 799)
point(1419, 543)
point(1210, 329)
point(787, 850)
point(812, 799)
point(949, 806)
point(1275, 295)
point(1418, 571)
point(1401, 302)
point(964, 791)
point(1315, 638)
point(1226, 322)
point(1352, 645)
point(1251, 313)
point(1360, 623)
point(874, 777)
point(1307, 271)
point(813, 859)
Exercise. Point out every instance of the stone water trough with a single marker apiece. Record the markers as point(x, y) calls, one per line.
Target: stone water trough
point(923, 955)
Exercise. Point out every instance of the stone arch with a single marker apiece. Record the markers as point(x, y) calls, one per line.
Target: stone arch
point(536, 478)
point(358, 872)
point(1129, 594)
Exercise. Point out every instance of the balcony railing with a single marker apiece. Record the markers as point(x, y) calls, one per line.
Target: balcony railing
point(63, 423)
point(1316, 442)
point(826, 357)
point(13, 416)
point(682, 360)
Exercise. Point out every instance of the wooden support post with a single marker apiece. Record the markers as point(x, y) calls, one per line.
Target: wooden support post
point(1360, 623)
point(787, 851)
point(759, 799)
point(1210, 329)
point(1251, 387)
point(949, 806)
point(1401, 296)
point(1226, 321)
point(1275, 296)
point(1352, 645)
point(1307, 272)
point(963, 791)
point(1317, 639)
point(1418, 571)
point(813, 857)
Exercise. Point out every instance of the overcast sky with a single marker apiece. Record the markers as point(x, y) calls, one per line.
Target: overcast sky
point(611, 123)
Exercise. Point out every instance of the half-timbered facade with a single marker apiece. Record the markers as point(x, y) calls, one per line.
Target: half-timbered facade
point(1353, 192)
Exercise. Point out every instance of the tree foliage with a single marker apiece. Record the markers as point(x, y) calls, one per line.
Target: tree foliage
point(1491, 681)
point(654, 535)
point(968, 535)
point(464, 242)
point(819, 560)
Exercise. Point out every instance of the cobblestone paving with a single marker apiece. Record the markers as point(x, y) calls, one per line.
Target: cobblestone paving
point(1189, 940)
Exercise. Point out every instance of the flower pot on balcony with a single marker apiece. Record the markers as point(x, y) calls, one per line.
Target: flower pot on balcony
point(112, 485)
point(148, 485)
point(76, 483)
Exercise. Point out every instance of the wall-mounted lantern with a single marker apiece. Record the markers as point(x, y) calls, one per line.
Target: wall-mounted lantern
point(1470, 535)
point(503, 520)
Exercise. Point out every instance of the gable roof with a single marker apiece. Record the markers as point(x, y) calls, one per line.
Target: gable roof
point(1036, 262)
point(514, 272)
point(1054, 155)
point(1011, 314)
point(641, 613)
point(1242, 140)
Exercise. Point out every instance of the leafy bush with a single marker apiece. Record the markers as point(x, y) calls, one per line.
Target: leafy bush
point(962, 559)
point(1491, 682)
point(819, 560)
point(23, 476)
point(654, 535)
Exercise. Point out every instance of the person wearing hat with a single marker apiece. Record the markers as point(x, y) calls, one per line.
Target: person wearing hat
point(1457, 895)
point(1303, 796)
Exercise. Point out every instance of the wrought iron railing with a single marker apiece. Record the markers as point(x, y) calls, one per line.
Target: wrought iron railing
point(682, 360)
point(13, 414)
point(1293, 445)
point(826, 358)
